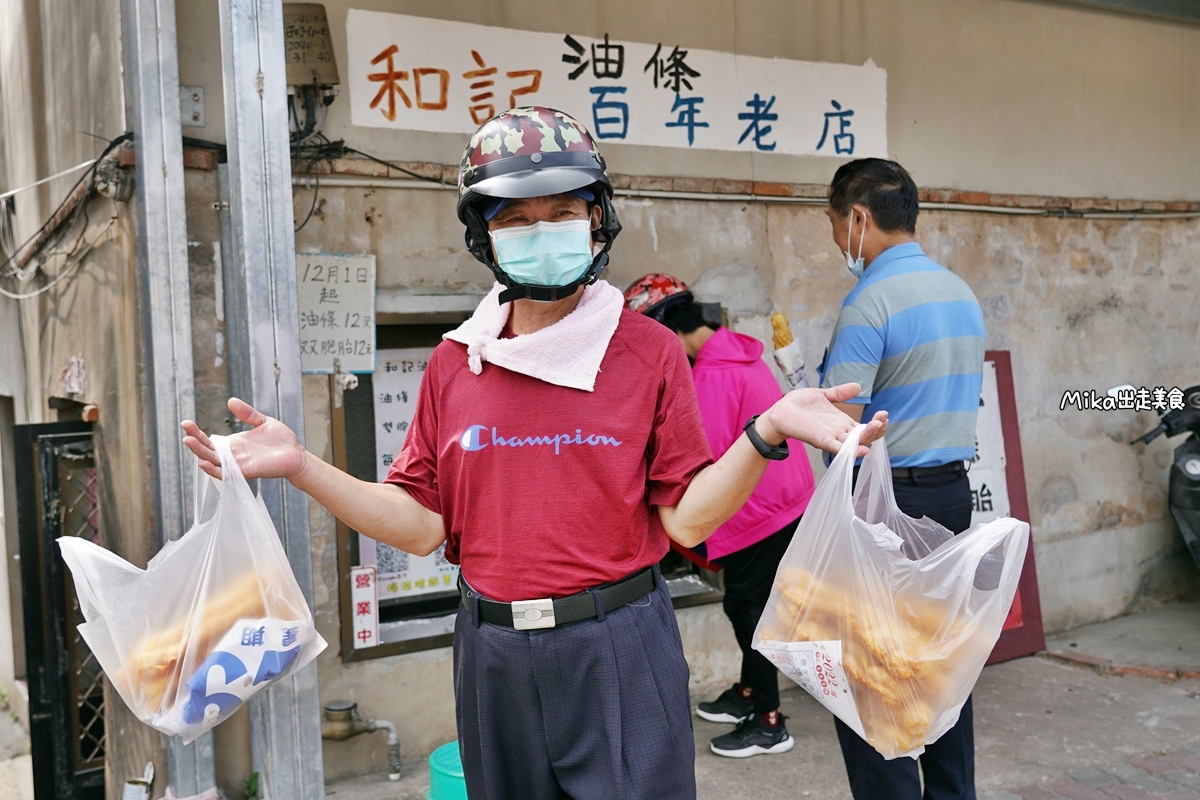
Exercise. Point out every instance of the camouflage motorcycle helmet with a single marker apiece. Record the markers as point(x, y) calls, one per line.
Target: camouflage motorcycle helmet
point(531, 152)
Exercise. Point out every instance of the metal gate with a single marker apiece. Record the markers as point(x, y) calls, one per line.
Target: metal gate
point(56, 496)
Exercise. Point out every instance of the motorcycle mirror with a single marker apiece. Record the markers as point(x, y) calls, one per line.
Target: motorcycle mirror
point(1115, 392)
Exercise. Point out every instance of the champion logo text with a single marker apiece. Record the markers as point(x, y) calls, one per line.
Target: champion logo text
point(478, 437)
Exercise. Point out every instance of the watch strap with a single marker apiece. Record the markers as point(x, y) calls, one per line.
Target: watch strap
point(774, 453)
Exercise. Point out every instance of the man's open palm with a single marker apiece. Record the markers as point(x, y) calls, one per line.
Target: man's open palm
point(810, 416)
point(268, 450)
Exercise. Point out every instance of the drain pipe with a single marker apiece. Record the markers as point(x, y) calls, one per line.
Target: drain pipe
point(342, 722)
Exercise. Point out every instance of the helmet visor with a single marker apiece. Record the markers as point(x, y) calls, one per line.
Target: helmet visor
point(537, 182)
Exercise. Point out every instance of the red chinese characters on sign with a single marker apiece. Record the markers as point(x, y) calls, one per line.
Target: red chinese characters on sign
point(391, 78)
point(364, 611)
point(443, 91)
point(391, 86)
point(481, 83)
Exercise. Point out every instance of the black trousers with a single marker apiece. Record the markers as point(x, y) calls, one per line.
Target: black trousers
point(949, 763)
point(749, 573)
point(589, 710)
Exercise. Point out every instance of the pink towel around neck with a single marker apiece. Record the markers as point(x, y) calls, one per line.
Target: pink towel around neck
point(567, 353)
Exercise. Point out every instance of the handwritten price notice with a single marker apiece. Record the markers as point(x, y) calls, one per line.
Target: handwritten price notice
point(336, 298)
point(432, 75)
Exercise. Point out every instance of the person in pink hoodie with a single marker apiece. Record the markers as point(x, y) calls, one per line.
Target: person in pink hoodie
point(733, 384)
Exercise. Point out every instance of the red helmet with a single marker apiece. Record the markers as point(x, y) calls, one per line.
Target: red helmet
point(530, 152)
point(653, 294)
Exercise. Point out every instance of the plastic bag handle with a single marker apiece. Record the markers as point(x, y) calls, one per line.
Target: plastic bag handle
point(842, 466)
point(201, 486)
point(230, 470)
point(231, 476)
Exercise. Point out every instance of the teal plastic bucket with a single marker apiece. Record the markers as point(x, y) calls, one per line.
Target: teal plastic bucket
point(446, 774)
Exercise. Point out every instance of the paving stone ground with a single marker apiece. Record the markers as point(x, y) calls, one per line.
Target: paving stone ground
point(1169, 775)
point(1043, 729)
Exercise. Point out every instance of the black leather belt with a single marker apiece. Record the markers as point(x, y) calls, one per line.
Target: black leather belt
point(912, 473)
point(548, 613)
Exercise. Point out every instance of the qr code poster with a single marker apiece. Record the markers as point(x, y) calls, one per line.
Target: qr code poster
point(396, 381)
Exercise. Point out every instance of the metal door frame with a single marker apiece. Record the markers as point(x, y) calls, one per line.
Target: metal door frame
point(47, 596)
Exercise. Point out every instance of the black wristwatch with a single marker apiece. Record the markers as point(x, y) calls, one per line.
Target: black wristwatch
point(777, 453)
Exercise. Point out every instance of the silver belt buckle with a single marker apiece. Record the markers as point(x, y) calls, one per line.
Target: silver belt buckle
point(530, 614)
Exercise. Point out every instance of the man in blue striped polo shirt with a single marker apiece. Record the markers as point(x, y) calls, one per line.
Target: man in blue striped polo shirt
point(911, 334)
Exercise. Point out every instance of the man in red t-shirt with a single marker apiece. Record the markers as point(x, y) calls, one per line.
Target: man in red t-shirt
point(556, 447)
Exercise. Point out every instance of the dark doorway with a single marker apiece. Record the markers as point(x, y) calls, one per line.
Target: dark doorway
point(57, 496)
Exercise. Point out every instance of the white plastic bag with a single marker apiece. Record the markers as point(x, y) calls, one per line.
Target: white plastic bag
point(887, 620)
point(215, 617)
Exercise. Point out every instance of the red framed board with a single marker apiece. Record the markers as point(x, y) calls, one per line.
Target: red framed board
point(998, 489)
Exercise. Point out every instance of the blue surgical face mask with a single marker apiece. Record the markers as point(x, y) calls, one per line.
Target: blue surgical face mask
point(545, 253)
point(855, 265)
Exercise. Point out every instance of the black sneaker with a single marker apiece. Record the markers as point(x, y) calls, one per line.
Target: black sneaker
point(753, 737)
point(729, 707)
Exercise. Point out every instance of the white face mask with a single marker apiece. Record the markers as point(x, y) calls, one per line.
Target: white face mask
point(855, 265)
point(545, 253)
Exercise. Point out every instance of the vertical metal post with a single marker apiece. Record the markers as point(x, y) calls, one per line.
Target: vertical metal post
point(285, 723)
point(152, 85)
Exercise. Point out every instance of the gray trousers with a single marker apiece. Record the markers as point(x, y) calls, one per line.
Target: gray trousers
point(593, 709)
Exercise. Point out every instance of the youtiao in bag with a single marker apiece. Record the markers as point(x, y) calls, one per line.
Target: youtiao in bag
point(215, 617)
point(887, 620)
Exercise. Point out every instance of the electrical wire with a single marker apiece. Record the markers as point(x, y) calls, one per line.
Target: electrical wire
point(313, 154)
point(75, 261)
point(325, 150)
point(90, 177)
point(75, 168)
point(11, 257)
point(313, 207)
point(396, 167)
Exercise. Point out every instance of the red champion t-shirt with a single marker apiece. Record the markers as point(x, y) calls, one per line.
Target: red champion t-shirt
point(546, 491)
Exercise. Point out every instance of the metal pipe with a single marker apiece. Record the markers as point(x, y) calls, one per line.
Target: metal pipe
point(342, 722)
point(393, 747)
point(382, 182)
point(151, 65)
point(285, 720)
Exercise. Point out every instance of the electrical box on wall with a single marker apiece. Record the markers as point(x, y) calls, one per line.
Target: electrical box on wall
point(308, 46)
point(312, 72)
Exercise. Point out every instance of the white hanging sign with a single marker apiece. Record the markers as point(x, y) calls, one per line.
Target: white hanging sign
point(364, 607)
point(426, 74)
point(396, 381)
point(989, 482)
point(335, 295)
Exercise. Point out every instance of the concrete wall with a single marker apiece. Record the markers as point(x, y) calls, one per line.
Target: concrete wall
point(1007, 96)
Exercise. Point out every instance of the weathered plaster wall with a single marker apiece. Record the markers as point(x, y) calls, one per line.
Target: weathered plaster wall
point(1081, 304)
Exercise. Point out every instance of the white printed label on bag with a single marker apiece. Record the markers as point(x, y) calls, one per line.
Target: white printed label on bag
point(250, 655)
point(817, 667)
